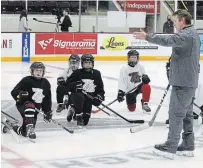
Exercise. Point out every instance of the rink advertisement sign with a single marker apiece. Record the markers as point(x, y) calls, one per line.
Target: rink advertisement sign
point(25, 47)
point(138, 6)
point(65, 43)
point(120, 44)
point(10, 44)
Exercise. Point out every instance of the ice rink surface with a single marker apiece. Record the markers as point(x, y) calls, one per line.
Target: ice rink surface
point(107, 142)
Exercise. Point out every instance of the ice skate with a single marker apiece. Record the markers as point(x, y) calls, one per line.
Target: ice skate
point(161, 150)
point(146, 109)
point(60, 108)
point(80, 122)
point(30, 131)
point(70, 114)
point(184, 151)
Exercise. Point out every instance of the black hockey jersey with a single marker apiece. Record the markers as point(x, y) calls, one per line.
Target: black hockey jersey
point(92, 80)
point(39, 92)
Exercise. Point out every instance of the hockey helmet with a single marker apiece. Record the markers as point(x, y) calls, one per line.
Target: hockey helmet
point(74, 61)
point(133, 53)
point(87, 58)
point(37, 65)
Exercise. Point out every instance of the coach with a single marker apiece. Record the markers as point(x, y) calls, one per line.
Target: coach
point(183, 77)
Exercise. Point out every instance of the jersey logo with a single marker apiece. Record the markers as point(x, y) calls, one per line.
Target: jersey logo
point(135, 77)
point(38, 95)
point(89, 85)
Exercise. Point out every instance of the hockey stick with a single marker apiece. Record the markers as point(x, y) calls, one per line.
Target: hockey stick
point(10, 116)
point(201, 113)
point(43, 21)
point(96, 111)
point(73, 107)
point(55, 122)
point(129, 121)
point(151, 122)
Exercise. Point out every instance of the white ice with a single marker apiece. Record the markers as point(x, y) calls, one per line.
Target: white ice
point(101, 147)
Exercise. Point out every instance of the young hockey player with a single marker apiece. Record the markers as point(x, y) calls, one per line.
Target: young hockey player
point(133, 75)
point(32, 92)
point(61, 91)
point(89, 80)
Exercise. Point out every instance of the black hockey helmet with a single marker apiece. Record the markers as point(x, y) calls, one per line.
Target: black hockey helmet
point(74, 61)
point(87, 57)
point(37, 65)
point(133, 53)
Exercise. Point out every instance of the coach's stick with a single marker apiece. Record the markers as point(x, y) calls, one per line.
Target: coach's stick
point(129, 121)
point(43, 21)
point(55, 122)
point(150, 123)
point(96, 111)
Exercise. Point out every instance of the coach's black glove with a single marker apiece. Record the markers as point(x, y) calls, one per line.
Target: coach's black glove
point(98, 100)
point(61, 81)
point(48, 116)
point(79, 86)
point(120, 96)
point(22, 97)
point(145, 79)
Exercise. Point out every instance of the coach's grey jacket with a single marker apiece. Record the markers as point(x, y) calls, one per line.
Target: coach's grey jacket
point(184, 67)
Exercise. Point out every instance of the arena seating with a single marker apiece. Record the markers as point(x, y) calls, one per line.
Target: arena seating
point(41, 7)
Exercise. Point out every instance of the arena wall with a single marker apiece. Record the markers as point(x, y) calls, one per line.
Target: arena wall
point(59, 46)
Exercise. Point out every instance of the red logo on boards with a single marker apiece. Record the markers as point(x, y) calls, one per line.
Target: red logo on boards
point(65, 43)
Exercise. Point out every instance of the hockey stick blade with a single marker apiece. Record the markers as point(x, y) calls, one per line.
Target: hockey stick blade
point(136, 121)
point(129, 121)
point(139, 128)
point(151, 122)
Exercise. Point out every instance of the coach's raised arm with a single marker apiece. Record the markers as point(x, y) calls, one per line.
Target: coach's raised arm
point(183, 77)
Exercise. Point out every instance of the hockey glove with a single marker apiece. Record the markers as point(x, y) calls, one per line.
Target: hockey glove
point(48, 116)
point(79, 86)
point(120, 96)
point(22, 97)
point(61, 81)
point(97, 100)
point(145, 79)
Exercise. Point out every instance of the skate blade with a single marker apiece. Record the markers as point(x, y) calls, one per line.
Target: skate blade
point(145, 112)
point(166, 155)
point(185, 153)
point(80, 129)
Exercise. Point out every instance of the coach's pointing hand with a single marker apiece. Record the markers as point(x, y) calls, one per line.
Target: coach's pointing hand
point(140, 35)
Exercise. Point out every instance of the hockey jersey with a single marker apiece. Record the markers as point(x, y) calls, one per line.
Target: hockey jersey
point(39, 92)
point(93, 83)
point(130, 77)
